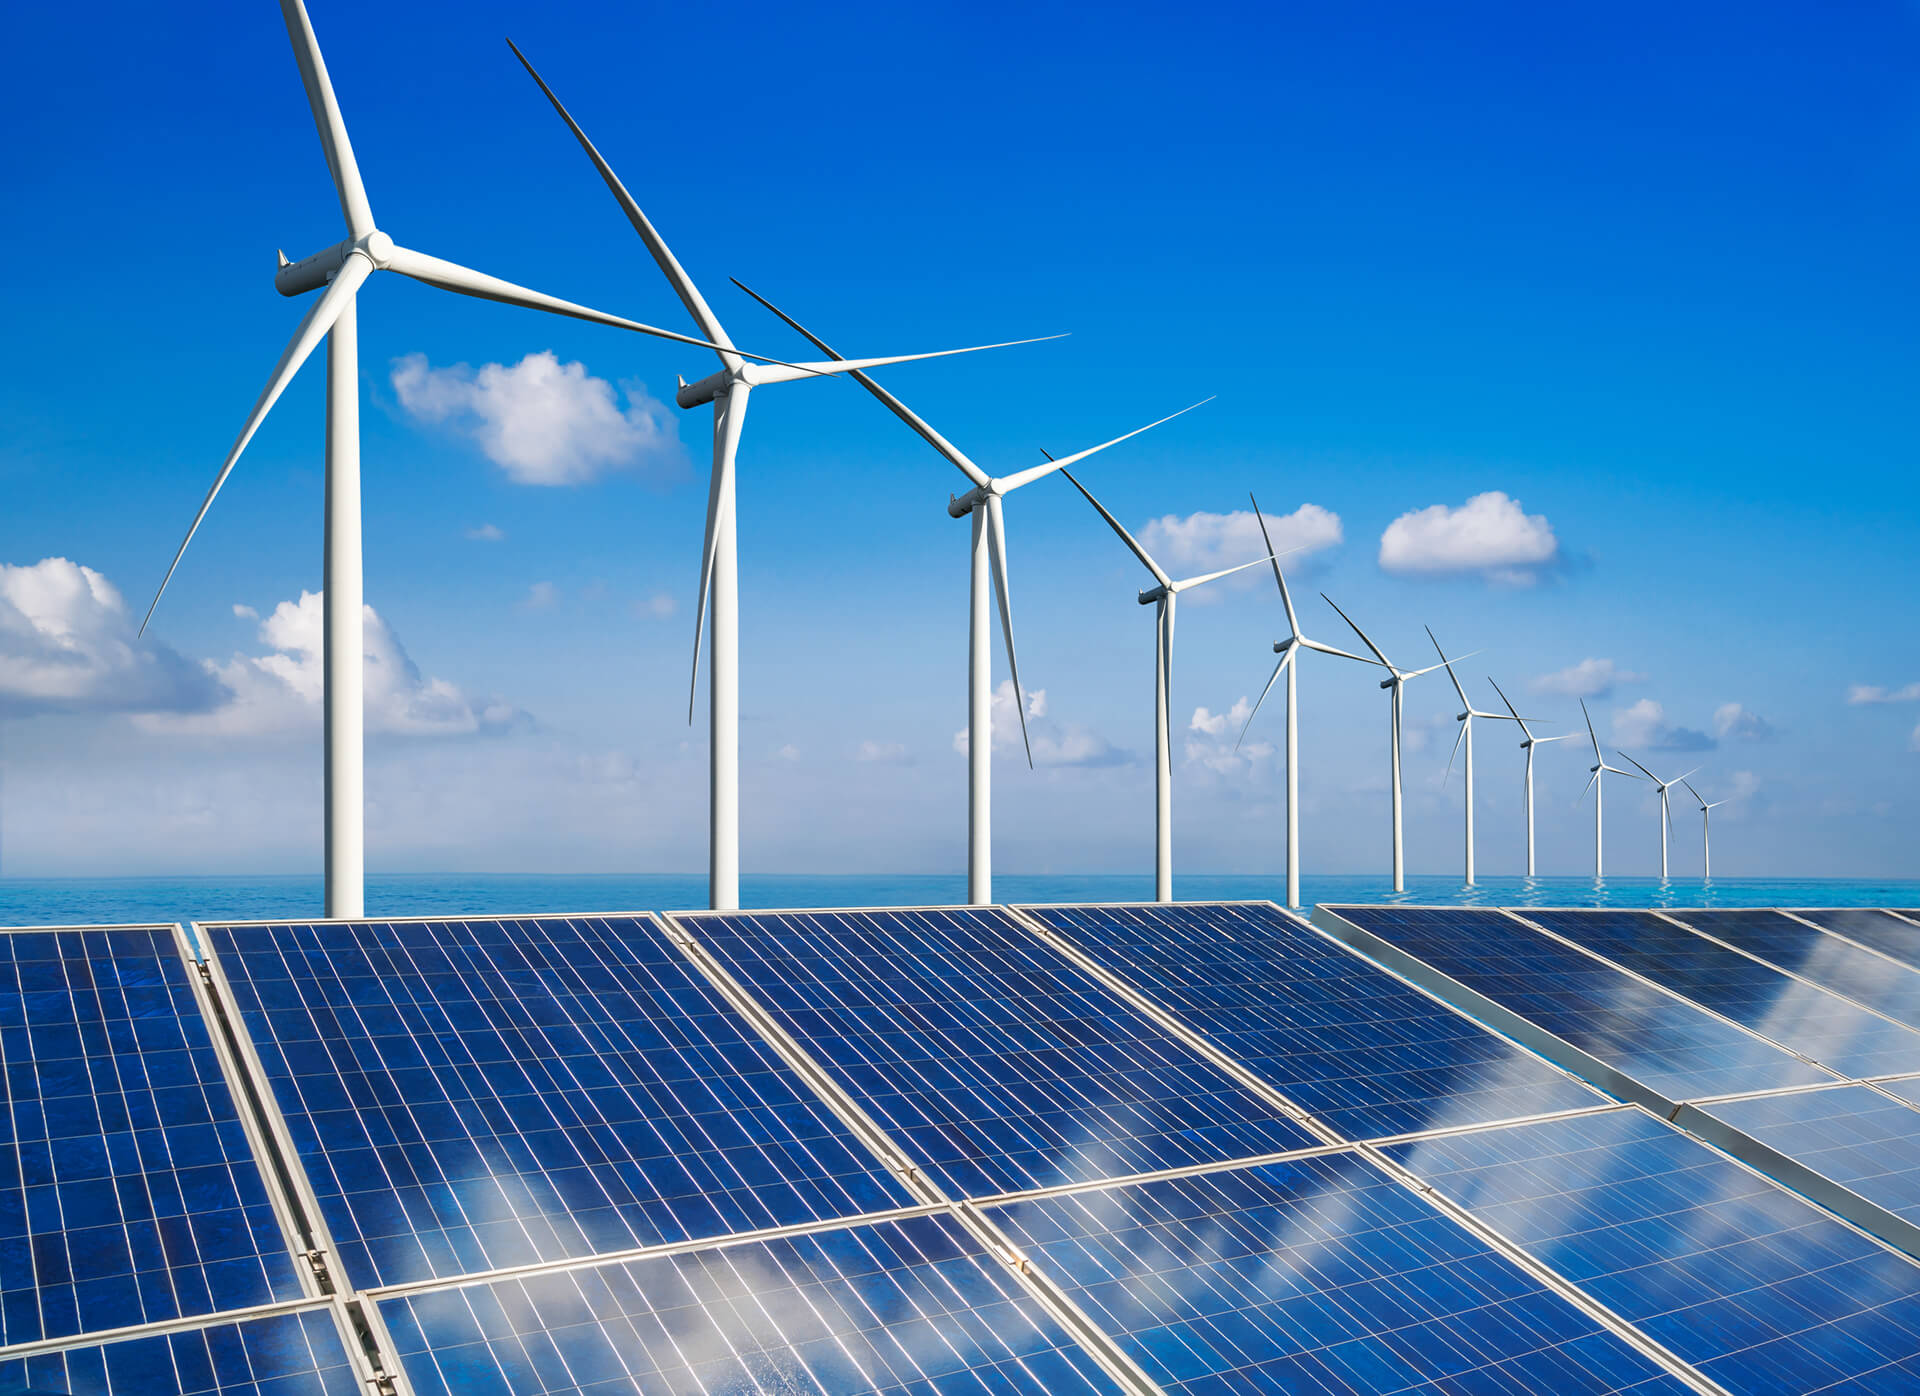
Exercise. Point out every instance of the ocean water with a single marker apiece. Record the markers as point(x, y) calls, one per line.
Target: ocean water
point(101, 901)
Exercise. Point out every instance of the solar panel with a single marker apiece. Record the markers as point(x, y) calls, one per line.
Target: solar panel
point(1831, 1030)
point(1319, 1275)
point(1877, 930)
point(913, 1306)
point(996, 1064)
point(1753, 1285)
point(1852, 1134)
point(1351, 1044)
point(1827, 960)
point(129, 1190)
point(298, 1353)
point(469, 1095)
point(1663, 1042)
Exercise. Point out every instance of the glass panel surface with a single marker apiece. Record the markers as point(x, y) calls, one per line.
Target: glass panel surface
point(297, 1354)
point(1320, 1275)
point(129, 1192)
point(1351, 1044)
point(1877, 930)
point(1827, 960)
point(894, 1307)
point(1663, 1042)
point(1755, 1286)
point(1852, 1134)
point(997, 1065)
point(468, 1095)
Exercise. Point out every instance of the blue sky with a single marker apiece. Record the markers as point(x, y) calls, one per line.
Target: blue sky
point(1647, 273)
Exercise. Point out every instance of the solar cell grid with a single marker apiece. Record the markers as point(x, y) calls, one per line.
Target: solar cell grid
point(1827, 960)
point(1666, 1043)
point(1809, 1020)
point(129, 1191)
point(1877, 930)
point(1751, 1284)
point(469, 1095)
point(1853, 1134)
point(913, 1306)
point(1317, 1275)
point(997, 1065)
point(1351, 1044)
point(286, 1354)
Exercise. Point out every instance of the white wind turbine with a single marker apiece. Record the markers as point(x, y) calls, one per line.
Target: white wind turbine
point(1465, 719)
point(989, 546)
point(1528, 745)
point(1596, 782)
point(1706, 830)
point(1289, 652)
point(1395, 683)
point(1666, 813)
point(1163, 597)
point(719, 569)
point(343, 269)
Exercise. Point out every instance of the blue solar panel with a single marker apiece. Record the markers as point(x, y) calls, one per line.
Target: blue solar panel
point(1663, 1042)
point(1756, 1287)
point(998, 1065)
point(1831, 1030)
point(289, 1354)
point(466, 1095)
point(910, 1306)
point(1851, 1134)
point(1320, 1275)
point(129, 1191)
point(1877, 930)
point(1345, 1040)
point(1827, 960)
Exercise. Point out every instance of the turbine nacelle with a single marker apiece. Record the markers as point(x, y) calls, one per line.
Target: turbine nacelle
point(312, 272)
point(706, 390)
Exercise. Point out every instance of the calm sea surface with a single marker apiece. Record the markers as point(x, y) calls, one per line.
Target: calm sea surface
point(95, 901)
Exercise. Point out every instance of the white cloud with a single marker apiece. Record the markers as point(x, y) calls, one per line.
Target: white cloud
point(1489, 534)
point(542, 421)
point(1204, 542)
point(1214, 724)
point(278, 693)
point(68, 644)
point(1741, 723)
point(1644, 726)
point(1217, 746)
point(1874, 693)
point(244, 612)
point(658, 606)
point(883, 753)
point(1590, 678)
point(541, 596)
point(1054, 743)
point(486, 533)
point(789, 752)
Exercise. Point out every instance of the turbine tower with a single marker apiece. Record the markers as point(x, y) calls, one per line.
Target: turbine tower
point(983, 502)
point(1527, 746)
point(719, 566)
point(1465, 718)
point(1289, 652)
point(1596, 782)
point(1706, 831)
point(343, 269)
point(1666, 813)
point(1395, 683)
point(1162, 596)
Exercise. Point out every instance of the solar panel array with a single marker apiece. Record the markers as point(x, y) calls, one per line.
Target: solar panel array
point(1196, 1148)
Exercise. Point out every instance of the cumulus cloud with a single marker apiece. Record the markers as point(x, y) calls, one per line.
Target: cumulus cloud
point(1644, 726)
point(1490, 534)
point(279, 692)
point(1590, 678)
point(1212, 737)
point(486, 533)
point(542, 421)
point(883, 753)
point(1215, 724)
point(1736, 721)
point(1875, 693)
point(1204, 542)
point(68, 644)
point(244, 612)
point(1054, 743)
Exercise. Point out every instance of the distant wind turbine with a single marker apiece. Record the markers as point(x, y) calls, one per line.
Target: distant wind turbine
point(343, 269)
point(1163, 596)
point(1289, 652)
point(1528, 745)
point(989, 547)
point(1465, 719)
point(719, 567)
point(1706, 831)
point(1666, 813)
point(1596, 782)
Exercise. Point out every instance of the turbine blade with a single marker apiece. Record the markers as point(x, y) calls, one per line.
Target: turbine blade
point(997, 551)
point(1682, 781)
point(1457, 737)
point(1650, 775)
point(1285, 660)
point(1192, 582)
point(1447, 664)
point(1286, 598)
point(726, 445)
point(786, 373)
point(1027, 477)
point(1589, 785)
point(326, 116)
point(1132, 543)
point(311, 330)
point(1338, 653)
point(1364, 638)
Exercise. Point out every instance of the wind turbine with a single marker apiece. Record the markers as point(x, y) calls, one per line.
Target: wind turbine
point(1289, 652)
point(1706, 831)
point(989, 546)
point(1465, 719)
point(1163, 596)
point(1666, 814)
point(343, 269)
point(1596, 782)
point(1395, 682)
point(1527, 746)
point(719, 568)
